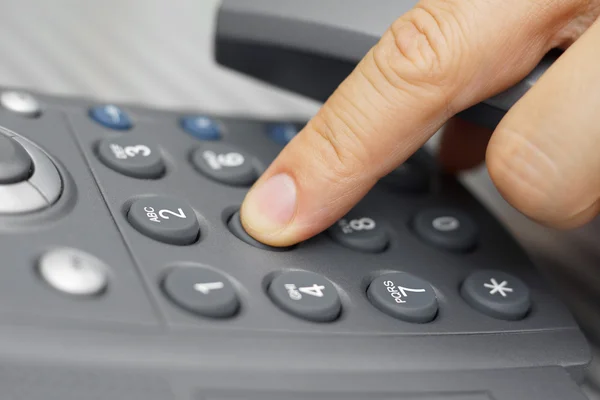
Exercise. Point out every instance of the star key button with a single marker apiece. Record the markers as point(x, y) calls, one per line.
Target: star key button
point(497, 294)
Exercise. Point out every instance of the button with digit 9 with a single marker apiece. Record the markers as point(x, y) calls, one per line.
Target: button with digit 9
point(359, 231)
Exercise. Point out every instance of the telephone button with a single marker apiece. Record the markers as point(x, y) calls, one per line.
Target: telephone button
point(132, 157)
point(306, 295)
point(360, 231)
point(111, 117)
point(225, 164)
point(165, 219)
point(404, 296)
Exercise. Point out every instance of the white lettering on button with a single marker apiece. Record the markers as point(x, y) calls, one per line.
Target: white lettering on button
point(218, 161)
point(113, 112)
point(446, 224)
point(358, 224)
point(496, 287)
point(123, 153)
point(164, 214)
point(314, 290)
point(400, 293)
point(292, 291)
point(205, 288)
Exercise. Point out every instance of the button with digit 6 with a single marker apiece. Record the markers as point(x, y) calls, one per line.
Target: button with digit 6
point(131, 156)
point(226, 164)
point(165, 219)
point(361, 232)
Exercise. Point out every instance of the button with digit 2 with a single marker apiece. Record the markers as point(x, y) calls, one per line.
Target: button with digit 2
point(165, 219)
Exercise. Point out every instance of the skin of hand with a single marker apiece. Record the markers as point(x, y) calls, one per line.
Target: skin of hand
point(438, 59)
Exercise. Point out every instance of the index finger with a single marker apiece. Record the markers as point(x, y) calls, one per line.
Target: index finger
point(438, 59)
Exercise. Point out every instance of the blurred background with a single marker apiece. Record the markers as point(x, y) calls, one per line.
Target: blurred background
point(160, 53)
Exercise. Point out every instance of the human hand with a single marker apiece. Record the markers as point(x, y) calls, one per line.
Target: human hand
point(438, 59)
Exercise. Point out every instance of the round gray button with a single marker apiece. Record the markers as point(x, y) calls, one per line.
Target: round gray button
point(15, 163)
point(404, 296)
point(73, 272)
point(497, 294)
point(225, 164)
point(446, 228)
point(202, 291)
point(132, 157)
point(306, 295)
point(21, 103)
point(361, 232)
point(235, 226)
point(165, 219)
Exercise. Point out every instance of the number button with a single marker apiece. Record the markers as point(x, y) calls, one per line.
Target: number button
point(132, 156)
point(360, 232)
point(164, 219)
point(225, 164)
point(446, 228)
point(306, 295)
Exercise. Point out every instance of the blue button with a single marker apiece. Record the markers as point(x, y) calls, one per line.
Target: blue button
point(202, 128)
point(282, 133)
point(111, 117)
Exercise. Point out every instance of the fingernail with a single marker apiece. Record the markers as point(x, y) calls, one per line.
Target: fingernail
point(270, 207)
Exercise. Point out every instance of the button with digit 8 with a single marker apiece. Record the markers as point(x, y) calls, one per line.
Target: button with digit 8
point(132, 156)
point(360, 232)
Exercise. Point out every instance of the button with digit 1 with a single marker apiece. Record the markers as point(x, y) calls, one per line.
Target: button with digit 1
point(361, 232)
point(132, 156)
point(165, 219)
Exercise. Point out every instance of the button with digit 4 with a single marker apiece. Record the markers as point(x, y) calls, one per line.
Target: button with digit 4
point(165, 219)
point(497, 294)
point(306, 295)
point(132, 156)
point(446, 228)
point(225, 164)
point(404, 296)
point(360, 232)
point(202, 291)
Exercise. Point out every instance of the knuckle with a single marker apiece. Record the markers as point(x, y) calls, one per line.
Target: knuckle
point(337, 142)
point(529, 179)
point(422, 48)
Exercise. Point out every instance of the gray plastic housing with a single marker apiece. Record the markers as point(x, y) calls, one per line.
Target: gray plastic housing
point(309, 47)
point(133, 343)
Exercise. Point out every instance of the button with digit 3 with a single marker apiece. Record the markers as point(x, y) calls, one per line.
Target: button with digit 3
point(360, 232)
point(404, 296)
point(306, 295)
point(165, 219)
point(446, 228)
point(132, 156)
point(225, 164)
